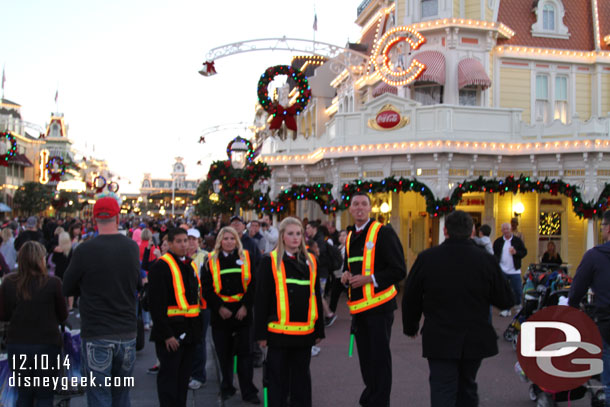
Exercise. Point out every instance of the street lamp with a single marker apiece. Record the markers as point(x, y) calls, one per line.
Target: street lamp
point(238, 153)
point(216, 186)
point(264, 186)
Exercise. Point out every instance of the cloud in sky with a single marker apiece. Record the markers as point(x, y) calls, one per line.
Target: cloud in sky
point(126, 71)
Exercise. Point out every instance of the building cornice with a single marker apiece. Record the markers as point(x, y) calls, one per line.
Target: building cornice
point(551, 54)
point(523, 148)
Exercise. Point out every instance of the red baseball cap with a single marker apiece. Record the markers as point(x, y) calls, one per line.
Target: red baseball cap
point(106, 207)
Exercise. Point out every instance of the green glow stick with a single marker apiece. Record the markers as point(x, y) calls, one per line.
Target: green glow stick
point(235, 364)
point(351, 345)
point(265, 401)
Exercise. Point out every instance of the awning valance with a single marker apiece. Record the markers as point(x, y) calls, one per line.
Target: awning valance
point(382, 88)
point(471, 72)
point(435, 66)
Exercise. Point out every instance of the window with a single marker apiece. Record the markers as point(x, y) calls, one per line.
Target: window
point(428, 93)
point(542, 98)
point(548, 17)
point(429, 8)
point(561, 99)
point(468, 96)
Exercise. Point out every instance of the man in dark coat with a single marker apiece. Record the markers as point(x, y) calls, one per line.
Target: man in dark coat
point(592, 272)
point(509, 250)
point(453, 285)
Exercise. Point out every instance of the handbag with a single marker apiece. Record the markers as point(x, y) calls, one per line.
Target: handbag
point(70, 365)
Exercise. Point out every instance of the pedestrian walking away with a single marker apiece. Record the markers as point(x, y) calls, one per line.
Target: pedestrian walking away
point(288, 320)
point(509, 250)
point(375, 263)
point(453, 285)
point(105, 272)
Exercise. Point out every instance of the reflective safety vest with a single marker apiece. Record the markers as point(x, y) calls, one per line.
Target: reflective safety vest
point(370, 299)
point(283, 325)
point(244, 270)
point(183, 308)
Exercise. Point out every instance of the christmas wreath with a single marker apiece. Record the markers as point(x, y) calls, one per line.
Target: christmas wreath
point(96, 184)
point(283, 113)
point(10, 151)
point(56, 168)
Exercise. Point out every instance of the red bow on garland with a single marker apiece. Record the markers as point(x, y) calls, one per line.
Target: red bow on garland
point(283, 114)
point(55, 176)
point(3, 160)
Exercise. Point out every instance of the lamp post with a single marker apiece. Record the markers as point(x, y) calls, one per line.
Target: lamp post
point(173, 193)
point(238, 154)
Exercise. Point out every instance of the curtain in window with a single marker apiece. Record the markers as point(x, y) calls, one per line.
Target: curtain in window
point(429, 8)
point(548, 18)
point(561, 99)
point(468, 97)
point(428, 95)
point(542, 87)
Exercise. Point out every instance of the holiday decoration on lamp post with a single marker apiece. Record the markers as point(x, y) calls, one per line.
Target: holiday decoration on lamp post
point(240, 152)
point(208, 69)
point(281, 113)
point(56, 168)
point(10, 150)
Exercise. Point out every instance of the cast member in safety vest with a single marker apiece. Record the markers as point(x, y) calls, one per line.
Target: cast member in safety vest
point(175, 305)
point(288, 320)
point(375, 264)
point(229, 290)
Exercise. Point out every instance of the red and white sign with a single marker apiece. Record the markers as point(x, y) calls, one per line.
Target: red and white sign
point(388, 119)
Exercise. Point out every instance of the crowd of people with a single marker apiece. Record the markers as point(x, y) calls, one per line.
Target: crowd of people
point(267, 293)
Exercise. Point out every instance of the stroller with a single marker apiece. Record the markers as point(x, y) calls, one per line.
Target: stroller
point(544, 286)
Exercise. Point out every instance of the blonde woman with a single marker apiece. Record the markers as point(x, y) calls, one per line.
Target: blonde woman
point(8, 248)
point(288, 322)
point(228, 289)
point(61, 254)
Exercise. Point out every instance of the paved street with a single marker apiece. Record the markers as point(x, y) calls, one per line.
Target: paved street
point(336, 378)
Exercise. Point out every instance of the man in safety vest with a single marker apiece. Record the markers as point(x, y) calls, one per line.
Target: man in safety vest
point(175, 306)
point(375, 264)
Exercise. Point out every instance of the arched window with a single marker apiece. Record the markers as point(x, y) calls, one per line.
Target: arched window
point(548, 17)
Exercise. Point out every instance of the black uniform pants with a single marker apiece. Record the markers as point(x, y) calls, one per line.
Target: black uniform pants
point(336, 289)
point(288, 375)
point(372, 332)
point(452, 382)
point(229, 342)
point(174, 372)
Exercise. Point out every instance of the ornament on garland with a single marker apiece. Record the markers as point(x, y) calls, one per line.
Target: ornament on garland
point(208, 69)
point(283, 113)
point(56, 168)
point(99, 183)
point(10, 150)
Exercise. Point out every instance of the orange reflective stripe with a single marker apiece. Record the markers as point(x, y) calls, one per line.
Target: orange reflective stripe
point(182, 307)
point(246, 277)
point(370, 299)
point(283, 325)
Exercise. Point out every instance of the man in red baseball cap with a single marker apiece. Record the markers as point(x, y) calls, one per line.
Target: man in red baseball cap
point(105, 271)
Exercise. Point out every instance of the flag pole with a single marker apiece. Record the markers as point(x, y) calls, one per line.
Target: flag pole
point(3, 80)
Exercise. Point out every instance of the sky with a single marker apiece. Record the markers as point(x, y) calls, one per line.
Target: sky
point(126, 72)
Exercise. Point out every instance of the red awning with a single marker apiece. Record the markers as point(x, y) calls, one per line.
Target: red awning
point(471, 72)
point(435, 66)
point(382, 88)
point(21, 159)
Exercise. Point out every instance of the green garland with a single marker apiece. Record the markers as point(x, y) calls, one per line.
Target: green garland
point(320, 193)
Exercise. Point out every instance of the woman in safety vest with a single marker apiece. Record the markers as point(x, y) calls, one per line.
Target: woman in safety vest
point(229, 291)
point(288, 307)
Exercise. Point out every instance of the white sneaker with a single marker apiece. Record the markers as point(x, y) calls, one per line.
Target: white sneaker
point(505, 313)
point(195, 384)
point(315, 350)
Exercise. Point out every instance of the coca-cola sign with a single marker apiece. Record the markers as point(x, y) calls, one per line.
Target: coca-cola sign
point(388, 119)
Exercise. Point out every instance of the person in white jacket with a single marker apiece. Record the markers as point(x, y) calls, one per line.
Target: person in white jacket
point(483, 239)
point(269, 232)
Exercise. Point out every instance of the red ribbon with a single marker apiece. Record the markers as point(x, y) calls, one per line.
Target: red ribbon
point(286, 115)
point(3, 160)
point(209, 68)
point(55, 176)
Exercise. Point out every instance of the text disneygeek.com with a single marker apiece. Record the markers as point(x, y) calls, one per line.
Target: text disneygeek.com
point(67, 383)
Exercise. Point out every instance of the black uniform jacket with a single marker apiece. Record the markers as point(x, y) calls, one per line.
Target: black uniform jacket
point(161, 293)
point(298, 301)
point(453, 285)
point(231, 284)
point(389, 266)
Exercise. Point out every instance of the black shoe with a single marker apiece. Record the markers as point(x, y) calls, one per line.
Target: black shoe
point(330, 320)
point(253, 399)
point(227, 394)
point(153, 370)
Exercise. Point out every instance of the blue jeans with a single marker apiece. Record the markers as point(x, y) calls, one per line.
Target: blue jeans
point(24, 361)
point(201, 358)
point(515, 283)
point(605, 376)
point(106, 358)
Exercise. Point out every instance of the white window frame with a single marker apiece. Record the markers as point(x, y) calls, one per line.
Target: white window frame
point(545, 116)
point(552, 111)
point(470, 88)
point(559, 30)
point(426, 85)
